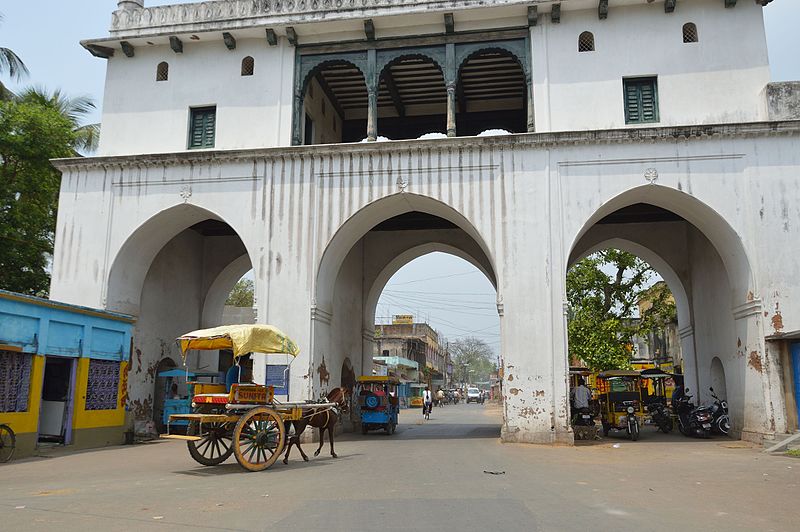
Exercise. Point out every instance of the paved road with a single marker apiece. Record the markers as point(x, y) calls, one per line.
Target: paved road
point(428, 476)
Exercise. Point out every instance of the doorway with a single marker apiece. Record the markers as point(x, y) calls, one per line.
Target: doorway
point(55, 419)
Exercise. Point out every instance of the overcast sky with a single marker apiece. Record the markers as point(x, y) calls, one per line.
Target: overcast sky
point(449, 292)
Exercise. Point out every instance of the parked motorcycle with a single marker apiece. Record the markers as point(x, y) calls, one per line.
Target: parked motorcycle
point(693, 421)
point(660, 415)
point(583, 426)
point(721, 422)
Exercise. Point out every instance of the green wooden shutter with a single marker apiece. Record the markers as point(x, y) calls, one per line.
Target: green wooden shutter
point(203, 127)
point(641, 100)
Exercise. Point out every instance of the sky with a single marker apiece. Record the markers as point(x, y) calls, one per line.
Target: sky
point(447, 291)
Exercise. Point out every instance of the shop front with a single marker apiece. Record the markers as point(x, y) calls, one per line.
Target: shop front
point(63, 373)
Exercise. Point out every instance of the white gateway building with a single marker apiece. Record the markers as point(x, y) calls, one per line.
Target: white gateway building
point(283, 136)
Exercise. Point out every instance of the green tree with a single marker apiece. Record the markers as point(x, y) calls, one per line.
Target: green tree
point(75, 109)
point(11, 65)
point(30, 135)
point(473, 360)
point(601, 324)
point(242, 294)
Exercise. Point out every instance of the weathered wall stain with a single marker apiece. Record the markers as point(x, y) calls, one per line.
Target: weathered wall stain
point(777, 321)
point(324, 374)
point(143, 410)
point(513, 391)
point(755, 361)
point(510, 378)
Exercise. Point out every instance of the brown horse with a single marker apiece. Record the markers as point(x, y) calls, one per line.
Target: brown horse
point(323, 418)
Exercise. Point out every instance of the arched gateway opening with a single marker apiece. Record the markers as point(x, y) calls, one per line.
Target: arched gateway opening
point(361, 258)
point(704, 264)
point(174, 273)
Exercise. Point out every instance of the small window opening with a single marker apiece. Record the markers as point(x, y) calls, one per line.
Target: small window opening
point(586, 42)
point(690, 32)
point(248, 66)
point(162, 71)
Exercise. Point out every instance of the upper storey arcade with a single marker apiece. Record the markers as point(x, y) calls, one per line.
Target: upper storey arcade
point(234, 74)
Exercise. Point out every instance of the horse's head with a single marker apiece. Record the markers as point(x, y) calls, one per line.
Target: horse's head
point(340, 396)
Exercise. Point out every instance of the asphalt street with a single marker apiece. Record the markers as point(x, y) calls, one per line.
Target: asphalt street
point(449, 473)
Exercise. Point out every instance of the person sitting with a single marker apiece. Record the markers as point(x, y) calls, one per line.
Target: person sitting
point(233, 376)
point(581, 395)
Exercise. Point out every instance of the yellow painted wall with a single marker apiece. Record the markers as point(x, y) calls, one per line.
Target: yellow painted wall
point(25, 422)
point(90, 419)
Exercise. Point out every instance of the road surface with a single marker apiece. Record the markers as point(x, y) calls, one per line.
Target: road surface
point(430, 475)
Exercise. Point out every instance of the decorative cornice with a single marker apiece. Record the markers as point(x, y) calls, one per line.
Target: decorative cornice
point(751, 308)
point(368, 334)
point(317, 314)
point(232, 14)
point(686, 332)
point(521, 140)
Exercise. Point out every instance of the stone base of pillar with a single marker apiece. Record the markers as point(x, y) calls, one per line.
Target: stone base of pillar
point(753, 436)
point(550, 437)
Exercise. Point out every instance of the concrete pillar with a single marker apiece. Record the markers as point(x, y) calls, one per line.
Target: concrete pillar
point(531, 114)
point(451, 78)
point(372, 90)
point(451, 110)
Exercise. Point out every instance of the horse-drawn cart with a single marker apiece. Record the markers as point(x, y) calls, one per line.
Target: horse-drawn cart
point(245, 421)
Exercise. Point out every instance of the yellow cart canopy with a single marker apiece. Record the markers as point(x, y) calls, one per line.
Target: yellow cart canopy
point(241, 339)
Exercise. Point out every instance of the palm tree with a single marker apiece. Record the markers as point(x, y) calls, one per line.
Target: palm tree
point(10, 64)
point(74, 109)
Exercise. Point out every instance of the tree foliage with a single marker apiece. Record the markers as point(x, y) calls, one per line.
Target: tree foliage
point(11, 65)
point(73, 108)
point(603, 291)
point(30, 135)
point(473, 354)
point(242, 294)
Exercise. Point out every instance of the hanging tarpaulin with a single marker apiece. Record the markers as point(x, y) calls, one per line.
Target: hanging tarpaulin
point(241, 339)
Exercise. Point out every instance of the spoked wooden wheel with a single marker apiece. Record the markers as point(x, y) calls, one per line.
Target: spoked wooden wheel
point(215, 444)
point(258, 438)
point(8, 443)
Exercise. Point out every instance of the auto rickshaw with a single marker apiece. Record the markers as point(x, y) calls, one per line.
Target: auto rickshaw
point(622, 401)
point(378, 402)
point(657, 383)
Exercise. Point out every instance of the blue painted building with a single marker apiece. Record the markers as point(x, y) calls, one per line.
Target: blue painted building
point(63, 372)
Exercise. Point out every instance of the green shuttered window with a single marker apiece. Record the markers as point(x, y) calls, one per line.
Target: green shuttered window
point(641, 100)
point(202, 127)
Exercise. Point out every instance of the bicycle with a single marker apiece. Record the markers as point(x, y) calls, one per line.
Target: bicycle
point(8, 442)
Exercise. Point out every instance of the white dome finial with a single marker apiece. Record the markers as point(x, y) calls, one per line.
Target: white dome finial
point(129, 5)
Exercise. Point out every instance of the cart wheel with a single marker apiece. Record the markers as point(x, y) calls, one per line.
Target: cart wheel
point(8, 443)
point(364, 428)
point(215, 446)
point(258, 438)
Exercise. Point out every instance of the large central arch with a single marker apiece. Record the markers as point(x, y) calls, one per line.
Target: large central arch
point(358, 261)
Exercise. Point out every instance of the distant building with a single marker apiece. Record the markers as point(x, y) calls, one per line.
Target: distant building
point(662, 346)
point(418, 342)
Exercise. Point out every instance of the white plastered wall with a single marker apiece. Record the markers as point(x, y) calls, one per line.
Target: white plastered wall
point(716, 80)
point(142, 115)
point(527, 203)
